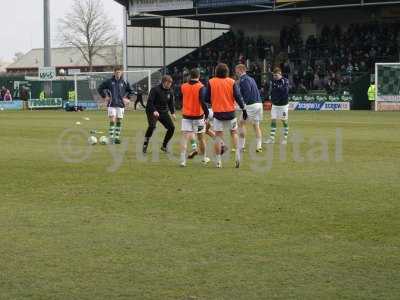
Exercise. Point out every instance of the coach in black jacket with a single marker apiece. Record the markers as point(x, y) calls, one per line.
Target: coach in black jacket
point(159, 104)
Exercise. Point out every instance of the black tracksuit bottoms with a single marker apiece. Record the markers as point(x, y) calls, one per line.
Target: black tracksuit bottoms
point(165, 120)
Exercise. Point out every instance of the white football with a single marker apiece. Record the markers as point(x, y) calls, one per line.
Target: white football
point(92, 140)
point(104, 140)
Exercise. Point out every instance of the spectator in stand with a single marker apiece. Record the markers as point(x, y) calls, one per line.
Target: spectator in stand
point(256, 72)
point(286, 68)
point(7, 96)
point(309, 77)
point(24, 93)
point(242, 60)
point(301, 89)
point(2, 92)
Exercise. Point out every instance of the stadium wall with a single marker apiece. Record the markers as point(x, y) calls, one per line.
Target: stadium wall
point(182, 36)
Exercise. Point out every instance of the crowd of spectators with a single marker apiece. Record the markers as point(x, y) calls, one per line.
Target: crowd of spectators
point(328, 62)
point(232, 48)
point(331, 60)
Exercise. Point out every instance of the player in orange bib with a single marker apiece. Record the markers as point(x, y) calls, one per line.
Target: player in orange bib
point(222, 93)
point(194, 112)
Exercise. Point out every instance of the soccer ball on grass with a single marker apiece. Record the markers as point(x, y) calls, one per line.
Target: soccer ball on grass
point(104, 140)
point(92, 140)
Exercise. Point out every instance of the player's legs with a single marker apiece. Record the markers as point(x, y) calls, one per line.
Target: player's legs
point(209, 131)
point(235, 145)
point(256, 116)
point(112, 115)
point(202, 143)
point(194, 151)
point(186, 136)
point(111, 130)
point(139, 100)
point(274, 115)
point(219, 127)
point(272, 134)
point(117, 131)
point(152, 121)
point(257, 130)
point(120, 116)
point(285, 122)
point(218, 141)
point(203, 147)
point(242, 135)
point(235, 139)
point(234, 133)
point(199, 127)
point(142, 103)
point(166, 121)
point(285, 131)
point(187, 128)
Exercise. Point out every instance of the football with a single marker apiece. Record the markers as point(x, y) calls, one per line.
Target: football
point(104, 140)
point(92, 140)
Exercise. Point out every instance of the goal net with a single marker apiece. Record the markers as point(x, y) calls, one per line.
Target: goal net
point(387, 80)
point(86, 85)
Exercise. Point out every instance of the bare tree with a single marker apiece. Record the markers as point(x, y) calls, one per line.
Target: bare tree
point(88, 28)
point(3, 65)
point(18, 56)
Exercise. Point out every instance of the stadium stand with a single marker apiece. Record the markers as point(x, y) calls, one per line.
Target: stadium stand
point(328, 63)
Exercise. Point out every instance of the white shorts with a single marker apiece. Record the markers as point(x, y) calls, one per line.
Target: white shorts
point(117, 112)
point(225, 125)
point(254, 113)
point(196, 126)
point(280, 112)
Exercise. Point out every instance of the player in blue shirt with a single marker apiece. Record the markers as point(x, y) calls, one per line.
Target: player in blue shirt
point(116, 92)
point(251, 96)
point(280, 105)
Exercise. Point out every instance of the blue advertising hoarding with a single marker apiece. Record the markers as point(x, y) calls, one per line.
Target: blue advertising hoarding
point(319, 106)
point(11, 105)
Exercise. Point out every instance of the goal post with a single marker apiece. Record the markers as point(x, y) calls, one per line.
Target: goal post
point(387, 91)
point(87, 83)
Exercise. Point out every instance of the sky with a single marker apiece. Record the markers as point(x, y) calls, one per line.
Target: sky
point(21, 26)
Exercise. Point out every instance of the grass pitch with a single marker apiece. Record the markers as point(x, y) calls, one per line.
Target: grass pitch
point(319, 222)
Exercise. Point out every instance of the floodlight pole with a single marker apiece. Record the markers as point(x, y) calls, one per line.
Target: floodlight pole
point(125, 40)
point(163, 48)
point(47, 41)
point(76, 90)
